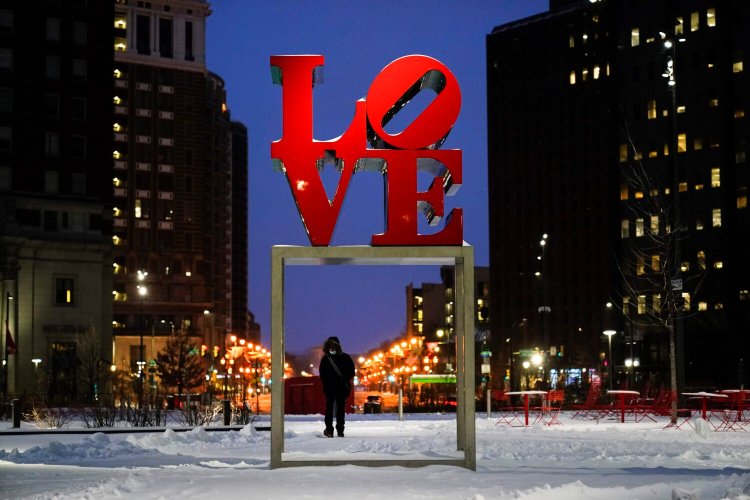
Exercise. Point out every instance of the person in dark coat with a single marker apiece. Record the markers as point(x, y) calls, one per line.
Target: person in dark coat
point(336, 372)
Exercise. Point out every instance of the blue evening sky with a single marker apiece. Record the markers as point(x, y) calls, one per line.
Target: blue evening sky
point(361, 305)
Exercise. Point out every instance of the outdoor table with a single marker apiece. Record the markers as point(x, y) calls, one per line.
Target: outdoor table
point(526, 395)
point(621, 393)
point(740, 400)
point(704, 396)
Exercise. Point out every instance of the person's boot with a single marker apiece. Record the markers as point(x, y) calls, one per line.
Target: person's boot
point(340, 432)
point(328, 433)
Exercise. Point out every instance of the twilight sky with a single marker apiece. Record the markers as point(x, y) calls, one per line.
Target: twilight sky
point(361, 305)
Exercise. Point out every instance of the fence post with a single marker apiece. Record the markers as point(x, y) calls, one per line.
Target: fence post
point(489, 404)
point(227, 408)
point(16, 411)
point(400, 404)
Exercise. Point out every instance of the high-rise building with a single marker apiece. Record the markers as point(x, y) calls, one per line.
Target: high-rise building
point(180, 185)
point(430, 312)
point(617, 128)
point(55, 196)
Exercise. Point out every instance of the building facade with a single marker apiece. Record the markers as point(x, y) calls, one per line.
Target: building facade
point(180, 186)
point(617, 129)
point(55, 196)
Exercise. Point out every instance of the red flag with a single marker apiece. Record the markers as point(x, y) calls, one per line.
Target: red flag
point(10, 346)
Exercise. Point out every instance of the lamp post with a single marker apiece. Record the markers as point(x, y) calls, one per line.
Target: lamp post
point(677, 368)
point(609, 334)
point(8, 339)
point(142, 291)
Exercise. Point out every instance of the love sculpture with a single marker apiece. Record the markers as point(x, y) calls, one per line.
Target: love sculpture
point(399, 156)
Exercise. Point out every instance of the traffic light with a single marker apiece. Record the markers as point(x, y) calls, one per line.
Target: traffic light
point(204, 349)
point(216, 351)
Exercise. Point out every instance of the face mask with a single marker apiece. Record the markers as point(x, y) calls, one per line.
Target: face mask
point(332, 351)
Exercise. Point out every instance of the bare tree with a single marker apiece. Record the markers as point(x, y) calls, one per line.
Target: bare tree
point(653, 296)
point(94, 369)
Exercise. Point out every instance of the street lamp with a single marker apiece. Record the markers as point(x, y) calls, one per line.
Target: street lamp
point(142, 291)
point(609, 334)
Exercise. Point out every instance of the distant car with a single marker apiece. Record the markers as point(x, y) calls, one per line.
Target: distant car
point(374, 404)
point(450, 403)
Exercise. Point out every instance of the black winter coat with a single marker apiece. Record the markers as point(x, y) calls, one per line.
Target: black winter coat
point(333, 384)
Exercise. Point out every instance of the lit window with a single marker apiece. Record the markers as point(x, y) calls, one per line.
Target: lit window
point(639, 227)
point(571, 41)
point(118, 73)
point(685, 301)
point(716, 217)
point(685, 266)
point(681, 143)
point(640, 266)
point(121, 45)
point(623, 191)
point(712, 103)
point(711, 17)
point(116, 99)
point(719, 264)
point(572, 78)
point(715, 177)
point(718, 306)
point(695, 21)
point(597, 72)
point(638, 195)
point(637, 156)
point(654, 224)
point(679, 27)
point(737, 67)
point(651, 114)
point(635, 37)
point(702, 306)
point(623, 153)
point(656, 303)
point(653, 154)
point(697, 144)
point(699, 187)
point(699, 224)
point(739, 157)
point(666, 149)
point(121, 20)
point(64, 291)
point(739, 113)
point(683, 187)
point(744, 294)
point(584, 74)
point(641, 304)
point(655, 262)
point(680, 109)
point(138, 212)
point(742, 198)
point(701, 257)
point(624, 229)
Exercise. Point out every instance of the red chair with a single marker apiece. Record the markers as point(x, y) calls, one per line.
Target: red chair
point(507, 413)
point(590, 408)
point(549, 412)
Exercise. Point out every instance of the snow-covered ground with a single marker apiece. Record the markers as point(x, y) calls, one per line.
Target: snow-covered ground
point(576, 460)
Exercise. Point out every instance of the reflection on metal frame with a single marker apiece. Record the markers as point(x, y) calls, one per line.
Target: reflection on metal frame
point(461, 257)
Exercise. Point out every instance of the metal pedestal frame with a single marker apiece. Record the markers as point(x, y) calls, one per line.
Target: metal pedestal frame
point(462, 257)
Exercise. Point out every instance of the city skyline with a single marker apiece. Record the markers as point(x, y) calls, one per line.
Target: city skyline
point(327, 301)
